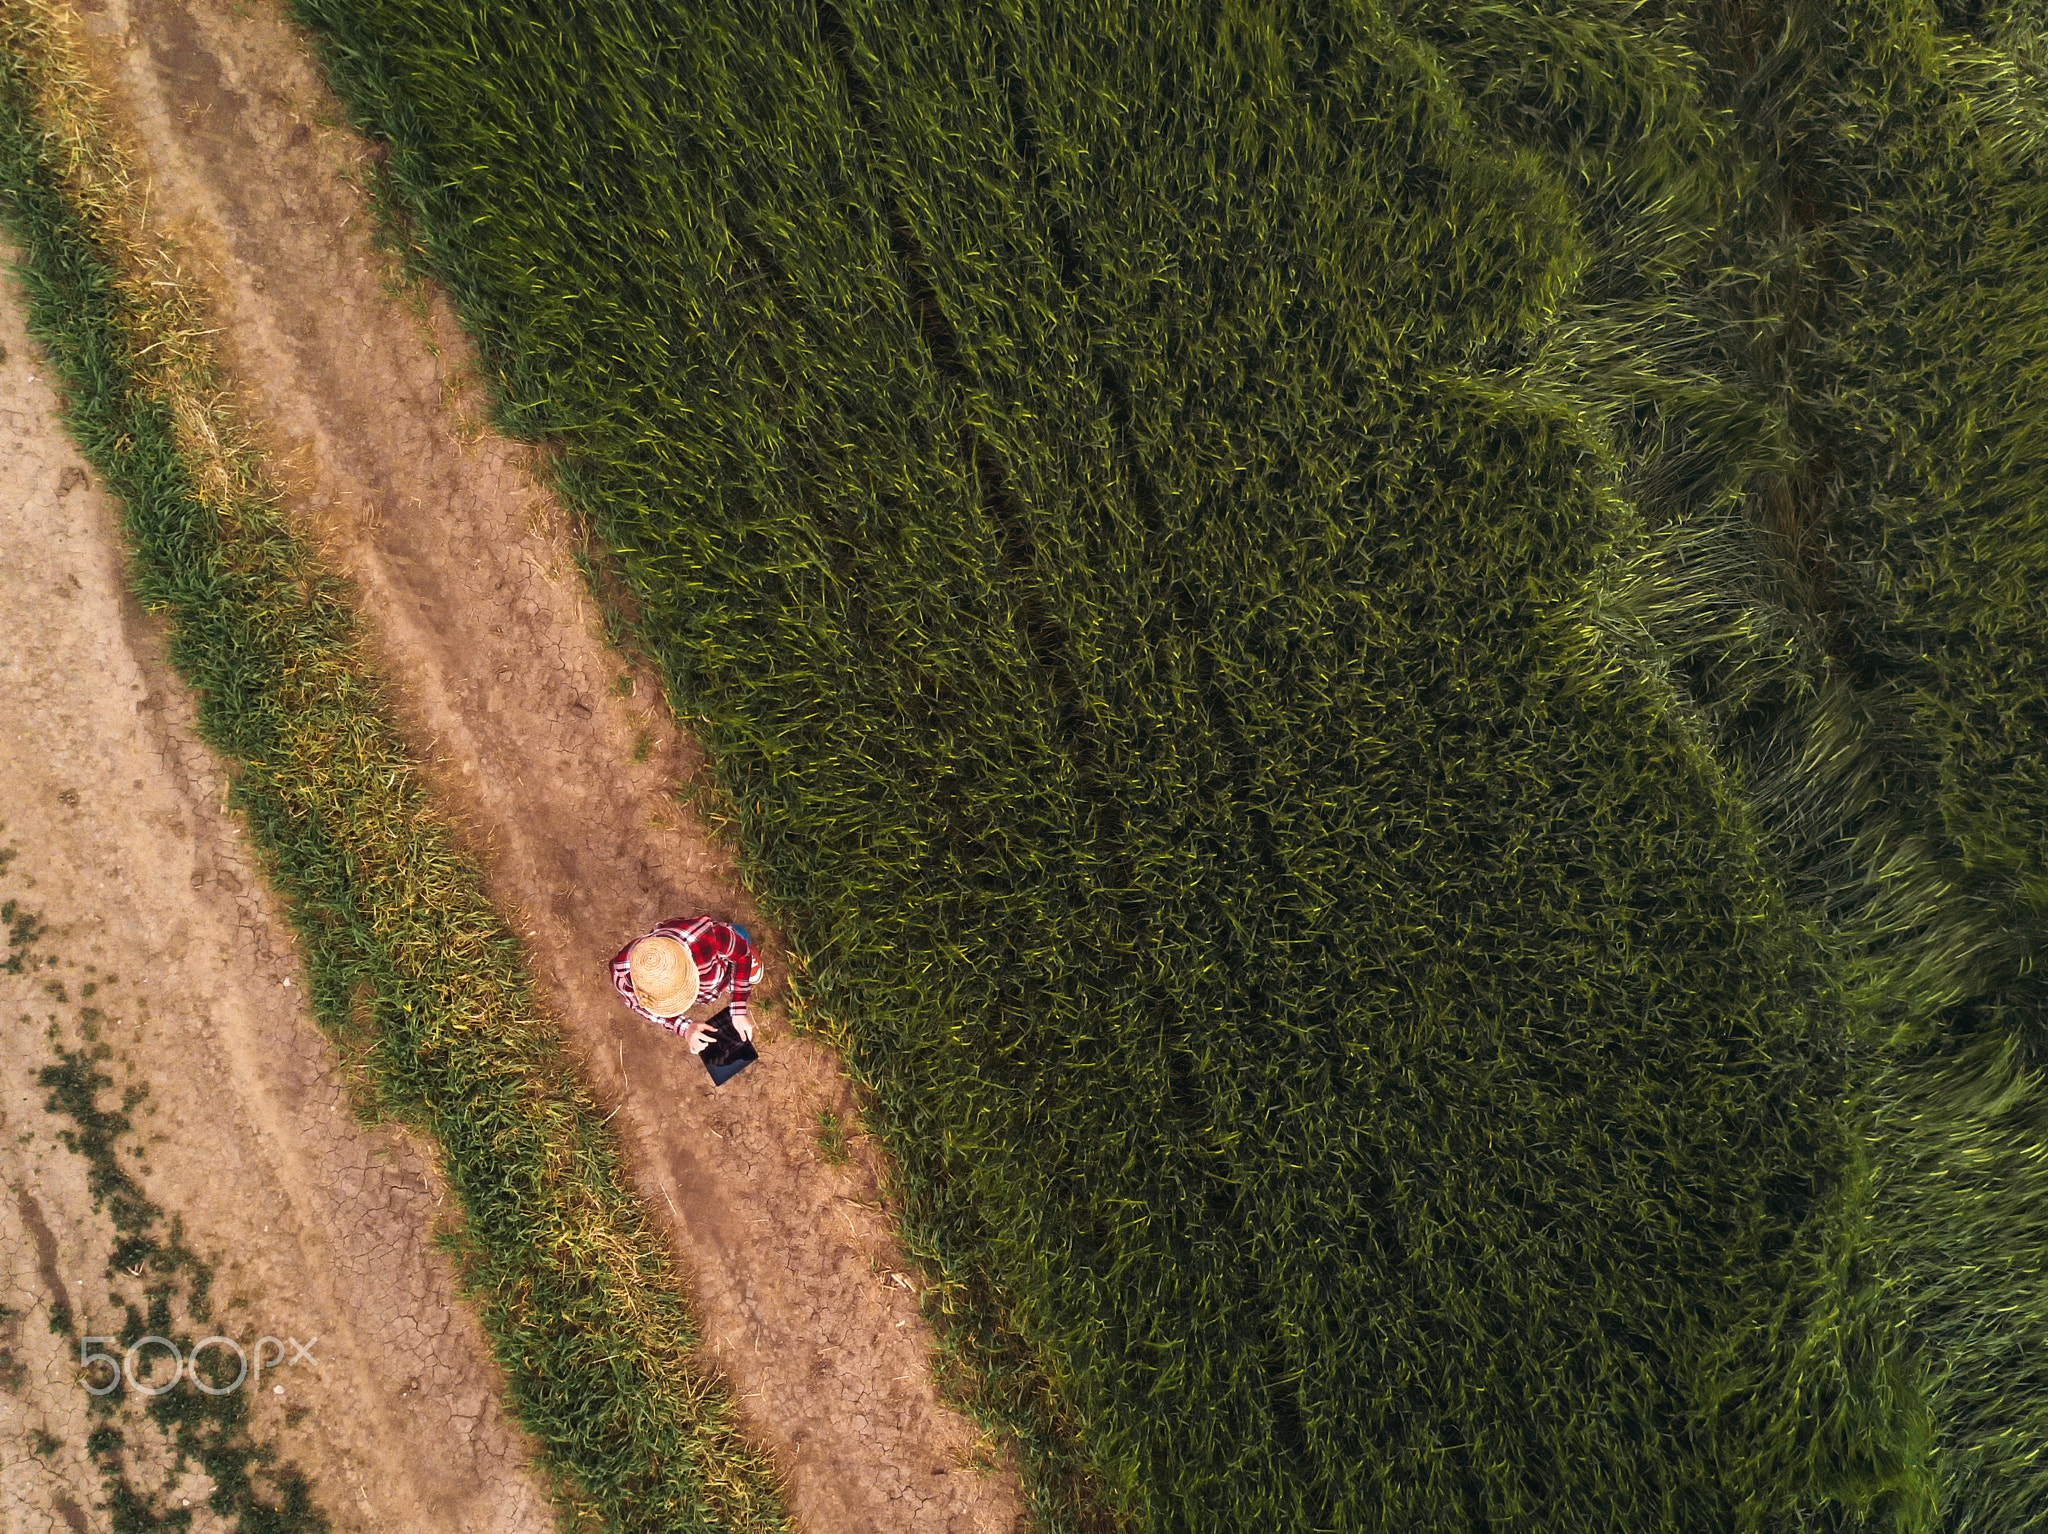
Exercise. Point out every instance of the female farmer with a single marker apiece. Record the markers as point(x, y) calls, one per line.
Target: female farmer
point(673, 974)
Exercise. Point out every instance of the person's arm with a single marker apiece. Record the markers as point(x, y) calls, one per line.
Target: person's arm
point(746, 970)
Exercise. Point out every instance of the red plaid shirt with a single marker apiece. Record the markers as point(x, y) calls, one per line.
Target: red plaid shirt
point(724, 960)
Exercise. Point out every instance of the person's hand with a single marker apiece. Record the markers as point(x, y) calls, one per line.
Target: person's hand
point(700, 1037)
point(745, 1025)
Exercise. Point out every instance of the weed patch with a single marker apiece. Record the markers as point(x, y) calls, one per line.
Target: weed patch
point(832, 1147)
point(157, 1301)
point(161, 1289)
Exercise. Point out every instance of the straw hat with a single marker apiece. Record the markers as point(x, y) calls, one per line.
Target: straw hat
point(664, 975)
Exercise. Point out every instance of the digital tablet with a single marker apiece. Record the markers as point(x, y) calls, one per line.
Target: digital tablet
point(727, 1054)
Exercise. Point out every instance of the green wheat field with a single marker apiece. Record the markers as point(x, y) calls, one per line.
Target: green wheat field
point(1389, 661)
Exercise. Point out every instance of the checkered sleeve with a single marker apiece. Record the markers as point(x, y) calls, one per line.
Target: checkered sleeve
point(746, 974)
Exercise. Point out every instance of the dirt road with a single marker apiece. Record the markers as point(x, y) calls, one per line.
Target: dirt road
point(564, 784)
point(112, 841)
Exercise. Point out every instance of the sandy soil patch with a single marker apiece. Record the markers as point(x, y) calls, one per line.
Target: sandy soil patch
point(563, 785)
point(317, 1227)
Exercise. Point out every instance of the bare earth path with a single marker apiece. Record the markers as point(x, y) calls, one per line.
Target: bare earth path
point(481, 623)
point(111, 810)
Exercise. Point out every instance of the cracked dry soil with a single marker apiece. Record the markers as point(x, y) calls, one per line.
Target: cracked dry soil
point(463, 569)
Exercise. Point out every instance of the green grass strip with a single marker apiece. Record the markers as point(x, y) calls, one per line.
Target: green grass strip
point(405, 956)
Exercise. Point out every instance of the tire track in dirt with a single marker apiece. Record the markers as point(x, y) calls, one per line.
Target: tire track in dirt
point(111, 808)
point(503, 685)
